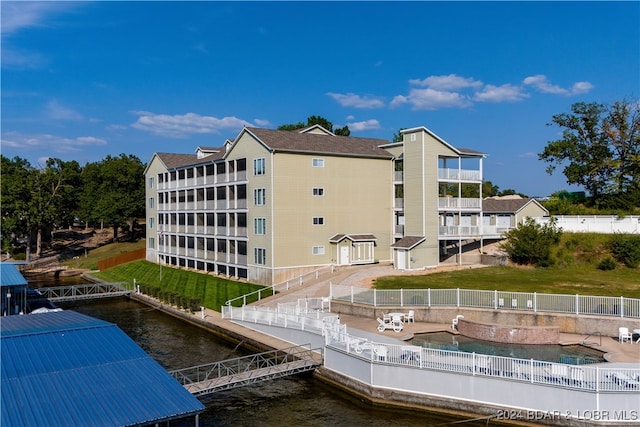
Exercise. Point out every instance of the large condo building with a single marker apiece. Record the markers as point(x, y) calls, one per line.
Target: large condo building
point(271, 205)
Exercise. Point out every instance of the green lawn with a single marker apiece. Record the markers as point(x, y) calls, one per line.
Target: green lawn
point(576, 279)
point(210, 291)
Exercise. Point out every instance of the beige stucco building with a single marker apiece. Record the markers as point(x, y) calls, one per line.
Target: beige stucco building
point(271, 205)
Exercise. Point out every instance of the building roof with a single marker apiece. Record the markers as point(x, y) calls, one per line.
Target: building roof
point(10, 276)
point(353, 237)
point(176, 161)
point(507, 205)
point(408, 242)
point(65, 368)
point(313, 143)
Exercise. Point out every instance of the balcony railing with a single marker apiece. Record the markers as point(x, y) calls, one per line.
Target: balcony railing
point(398, 176)
point(471, 230)
point(458, 203)
point(459, 174)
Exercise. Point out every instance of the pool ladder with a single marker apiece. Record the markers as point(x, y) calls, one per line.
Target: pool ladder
point(584, 341)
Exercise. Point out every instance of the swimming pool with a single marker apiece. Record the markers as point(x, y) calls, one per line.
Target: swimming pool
point(568, 354)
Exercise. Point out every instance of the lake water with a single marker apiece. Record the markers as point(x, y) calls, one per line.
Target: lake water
point(299, 400)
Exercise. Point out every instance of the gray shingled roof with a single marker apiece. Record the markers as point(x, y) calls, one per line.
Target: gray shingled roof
point(292, 141)
point(174, 161)
point(408, 242)
point(504, 205)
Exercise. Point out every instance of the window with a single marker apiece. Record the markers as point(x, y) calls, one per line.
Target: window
point(318, 220)
point(260, 256)
point(318, 192)
point(151, 221)
point(150, 182)
point(259, 196)
point(318, 250)
point(317, 163)
point(151, 203)
point(258, 166)
point(152, 243)
point(259, 225)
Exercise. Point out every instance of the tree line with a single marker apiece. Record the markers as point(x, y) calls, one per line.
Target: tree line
point(40, 199)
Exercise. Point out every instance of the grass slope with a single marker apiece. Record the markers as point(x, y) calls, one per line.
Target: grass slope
point(211, 291)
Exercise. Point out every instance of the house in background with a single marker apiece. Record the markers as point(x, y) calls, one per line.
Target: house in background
point(272, 205)
point(13, 290)
point(501, 213)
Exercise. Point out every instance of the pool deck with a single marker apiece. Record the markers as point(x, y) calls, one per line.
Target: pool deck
point(363, 276)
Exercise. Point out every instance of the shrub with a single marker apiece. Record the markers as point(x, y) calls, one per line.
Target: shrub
point(626, 249)
point(607, 264)
point(531, 243)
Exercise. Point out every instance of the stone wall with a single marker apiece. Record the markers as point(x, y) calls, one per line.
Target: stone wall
point(509, 334)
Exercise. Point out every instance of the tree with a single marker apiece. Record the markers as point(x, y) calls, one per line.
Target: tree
point(317, 120)
point(397, 137)
point(531, 243)
point(600, 150)
point(120, 185)
point(14, 198)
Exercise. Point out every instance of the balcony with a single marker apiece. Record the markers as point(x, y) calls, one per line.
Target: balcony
point(458, 203)
point(398, 229)
point(490, 231)
point(459, 175)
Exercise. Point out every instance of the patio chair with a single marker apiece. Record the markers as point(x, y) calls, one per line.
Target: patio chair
point(624, 334)
point(410, 317)
point(395, 326)
point(380, 352)
point(624, 380)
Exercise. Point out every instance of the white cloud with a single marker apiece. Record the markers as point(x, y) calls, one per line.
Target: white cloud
point(447, 83)
point(356, 101)
point(430, 99)
point(59, 112)
point(503, 93)
point(542, 84)
point(58, 144)
point(528, 155)
point(181, 126)
point(262, 122)
point(364, 125)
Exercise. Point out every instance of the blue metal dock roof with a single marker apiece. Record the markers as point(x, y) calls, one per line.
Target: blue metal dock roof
point(10, 276)
point(65, 368)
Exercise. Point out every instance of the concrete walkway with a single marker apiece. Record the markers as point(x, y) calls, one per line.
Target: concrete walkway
point(362, 276)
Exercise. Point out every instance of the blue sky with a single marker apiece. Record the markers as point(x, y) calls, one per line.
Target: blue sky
point(81, 81)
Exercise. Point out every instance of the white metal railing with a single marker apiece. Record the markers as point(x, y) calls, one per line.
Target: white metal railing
point(285, 316)
point(278, 287)
point(459, 230)
point(529, 301)
point(458, 203)
point(595, 378)
point(459, 174)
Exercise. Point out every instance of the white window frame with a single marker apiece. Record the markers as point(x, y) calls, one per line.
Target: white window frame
point(318, 220)
point(152, 243)
point(259, 166)
point(259, 226)
point(259, 196)
point(260, 256)
point(151, 182)
point(151, 203)
point(317, 162)
point(317, 191)
point(151, 221)
point(317, 250)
